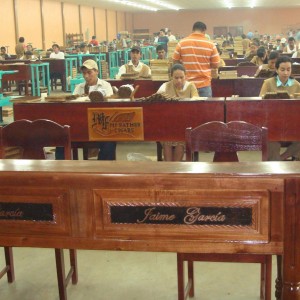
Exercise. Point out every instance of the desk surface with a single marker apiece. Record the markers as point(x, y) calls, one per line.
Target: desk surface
point(154, 206)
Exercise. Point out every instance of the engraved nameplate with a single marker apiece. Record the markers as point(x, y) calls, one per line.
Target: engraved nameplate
point(231, 216)
point(26, 211)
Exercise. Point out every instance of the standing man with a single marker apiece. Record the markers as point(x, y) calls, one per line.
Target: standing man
point(199, 56)
point(163, 39)
point(245, 43)
point(20, 47)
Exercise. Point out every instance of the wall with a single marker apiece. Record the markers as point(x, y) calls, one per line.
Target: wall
point(53, 33)
point(54, 18)
point(271, 21)
point(7, 26)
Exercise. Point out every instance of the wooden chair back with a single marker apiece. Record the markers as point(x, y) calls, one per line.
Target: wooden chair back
point(225, 139)
point(32, 136)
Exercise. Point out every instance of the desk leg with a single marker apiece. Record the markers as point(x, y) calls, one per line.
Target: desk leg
point(291, 247)
point(32, 81)
point(60, 269)
point(38, 82)
point(26, 88)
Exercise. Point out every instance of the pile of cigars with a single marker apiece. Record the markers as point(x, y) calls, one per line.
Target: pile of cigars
point(158, 98)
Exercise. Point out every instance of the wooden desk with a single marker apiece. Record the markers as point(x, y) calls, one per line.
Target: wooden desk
point(147, 87)
point(163, 121)
point(281, 117)
point(244, 87)
point(152, 206)
point(57, 69)
point(22, 74)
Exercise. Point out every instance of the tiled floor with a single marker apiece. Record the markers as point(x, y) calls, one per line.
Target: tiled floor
point(112, 275)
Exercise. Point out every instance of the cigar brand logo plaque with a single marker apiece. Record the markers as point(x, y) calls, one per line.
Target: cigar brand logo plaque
point(116, 124)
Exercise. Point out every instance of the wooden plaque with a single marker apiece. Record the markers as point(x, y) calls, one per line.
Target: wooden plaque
point(116, 124)
point(222, 214)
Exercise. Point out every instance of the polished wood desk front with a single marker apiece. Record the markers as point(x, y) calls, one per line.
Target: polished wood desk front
point(281, 117)
point(163, 121)
point(152, 206)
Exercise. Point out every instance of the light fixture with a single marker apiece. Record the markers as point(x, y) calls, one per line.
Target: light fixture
point(228, 4)
point(164, 4)
point(252, 3)
point(133, 4)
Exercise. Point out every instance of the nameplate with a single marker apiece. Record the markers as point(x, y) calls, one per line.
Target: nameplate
point(26, 211)
point(197, 215)
point(116, 124)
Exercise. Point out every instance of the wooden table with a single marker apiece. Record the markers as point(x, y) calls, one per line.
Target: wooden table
point(23, 73)
point(244, 87)
point(147, 87)
point(152, 206)
point(281, 117)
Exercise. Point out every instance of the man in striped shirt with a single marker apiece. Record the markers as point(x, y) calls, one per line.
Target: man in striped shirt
point(199, 56)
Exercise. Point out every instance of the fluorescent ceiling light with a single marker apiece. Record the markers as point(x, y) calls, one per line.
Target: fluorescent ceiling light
point(133, 4)
point(164, 4)
point(228, 3)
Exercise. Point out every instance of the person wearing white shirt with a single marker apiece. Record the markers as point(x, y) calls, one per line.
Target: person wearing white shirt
point(84, 49)
point(135, 65)
point(92, 83)
point(56, 52)
point(171, 37)
point(291, 47)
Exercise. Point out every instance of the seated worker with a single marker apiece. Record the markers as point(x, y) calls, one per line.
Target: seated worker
point(282, 81)
point(277, 46)
point(83, 49)
point(56, 52)
point(261, 56)
point(180, 88)
point(135, 64)
point(3, 54)
point(291, 47)
point(93, 41)
point(296, 54)
point(252, 51)
point(270, 66)
point(92, 83)
point(160, 51)
point(282, 44)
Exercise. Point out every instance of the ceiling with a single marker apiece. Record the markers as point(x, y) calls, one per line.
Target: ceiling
point(187, 4)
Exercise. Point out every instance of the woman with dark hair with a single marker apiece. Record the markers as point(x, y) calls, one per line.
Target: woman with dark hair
point(282, 82)
point(180, 88)
point(261, 56)
point(269, 68)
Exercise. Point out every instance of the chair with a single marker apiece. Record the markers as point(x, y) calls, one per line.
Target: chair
point(225, 140)
point(30, 137)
